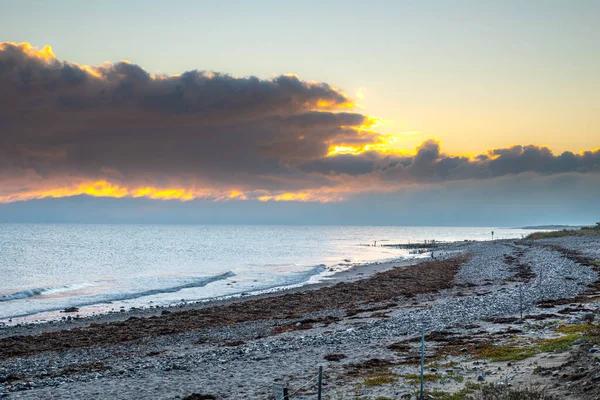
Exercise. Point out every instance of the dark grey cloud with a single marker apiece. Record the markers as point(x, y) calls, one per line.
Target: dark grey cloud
point(430, 165)
point(62, 125)
point(198, 129)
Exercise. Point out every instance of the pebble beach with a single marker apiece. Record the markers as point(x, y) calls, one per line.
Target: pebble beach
point(353, 325)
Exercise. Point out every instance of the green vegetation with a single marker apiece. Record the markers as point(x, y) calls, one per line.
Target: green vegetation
point(416, 378)
point(379, 380)
point(441, 378)
point(494, 392)
point(457, 377)
point(579, 328)
point(440, 364)
point(514, 353)
point(449, 364)
point(473, 391)
point(592, 230)
point(462, 394)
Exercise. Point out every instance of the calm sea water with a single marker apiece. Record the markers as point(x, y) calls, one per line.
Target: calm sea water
point(46, 268)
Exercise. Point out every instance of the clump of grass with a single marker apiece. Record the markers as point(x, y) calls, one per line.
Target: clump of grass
point(558, 345)
point(593, 335)
point(440, 364)
point(494, 392)
point(579, 328)
point(565, 232)
point(515, 353)
point(463, 394)
point(506, 353)
point(379, 381)
point(449, 364)
point(416, 378)
point(457, 377)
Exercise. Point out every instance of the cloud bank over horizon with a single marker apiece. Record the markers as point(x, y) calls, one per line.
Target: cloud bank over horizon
point(115, 130)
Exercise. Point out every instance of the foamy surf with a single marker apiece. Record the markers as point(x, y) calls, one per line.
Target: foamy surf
point(24, 294)
point(96, 299)
point(148, 265)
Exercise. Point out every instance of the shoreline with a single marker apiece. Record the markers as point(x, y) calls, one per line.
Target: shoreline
point(62, 320)
point(357, 330)
point(41, 309)
point(343, 293)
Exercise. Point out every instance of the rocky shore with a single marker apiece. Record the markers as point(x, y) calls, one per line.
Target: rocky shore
point(361, 331)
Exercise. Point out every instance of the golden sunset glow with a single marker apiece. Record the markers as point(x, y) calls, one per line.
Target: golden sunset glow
point(384, 144)
point(44, 54)
point(301, 196)
point(330, 104)
point(106, 189)
point(293, 133)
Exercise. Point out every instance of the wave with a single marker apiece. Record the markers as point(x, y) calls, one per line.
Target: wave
point(194, 284)
point(199, 282)
point(299, 277)
point(41, 291)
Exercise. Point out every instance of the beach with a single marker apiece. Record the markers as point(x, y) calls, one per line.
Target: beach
point(361, 325)
point(105, 268)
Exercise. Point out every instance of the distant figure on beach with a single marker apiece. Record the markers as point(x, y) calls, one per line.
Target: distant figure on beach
point(375, 243)
point(432, 255)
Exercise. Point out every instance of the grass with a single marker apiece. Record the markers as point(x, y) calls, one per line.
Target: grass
point(441, 378)
point(439, 364)
point(457, 377)
point(566, 232)
point(473, 391)
point(463, 394)
point(416, 378)
point(496, 353)
point(579, 328)
point(494, 392)
point(379, 381)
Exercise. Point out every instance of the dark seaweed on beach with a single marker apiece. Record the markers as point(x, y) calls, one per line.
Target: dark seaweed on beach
point(427, 277)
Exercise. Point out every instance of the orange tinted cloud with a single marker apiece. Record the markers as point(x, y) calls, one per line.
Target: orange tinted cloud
point(114, 130)
point(44, 54)
point(106, 189)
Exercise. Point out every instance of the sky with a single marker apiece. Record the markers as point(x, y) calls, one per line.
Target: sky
point(381, 112)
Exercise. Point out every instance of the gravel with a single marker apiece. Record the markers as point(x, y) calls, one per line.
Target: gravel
point(243, 360)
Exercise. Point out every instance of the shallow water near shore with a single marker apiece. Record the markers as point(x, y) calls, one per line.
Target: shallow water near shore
point(45, 268)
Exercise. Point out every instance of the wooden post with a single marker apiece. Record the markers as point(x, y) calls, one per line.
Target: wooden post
point(320, 389)
point(521, 300)
point(421, 397)
point(280, 391)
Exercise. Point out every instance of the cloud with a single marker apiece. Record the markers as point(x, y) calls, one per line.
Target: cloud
point(116, 130)
point(431, 165)
point(512, 201)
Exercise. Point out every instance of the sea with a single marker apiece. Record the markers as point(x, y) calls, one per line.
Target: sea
point(47, 268)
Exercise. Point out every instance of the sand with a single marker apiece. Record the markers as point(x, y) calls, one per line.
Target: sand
point(360, 328)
